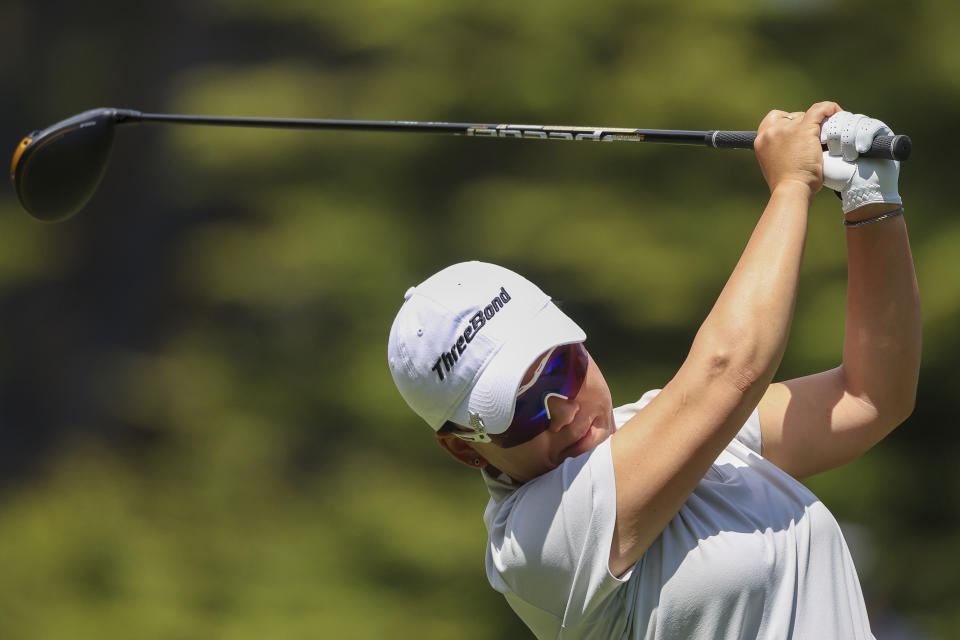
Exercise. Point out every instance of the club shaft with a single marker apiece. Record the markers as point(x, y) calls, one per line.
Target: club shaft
point(897, 147)
point(455, 128)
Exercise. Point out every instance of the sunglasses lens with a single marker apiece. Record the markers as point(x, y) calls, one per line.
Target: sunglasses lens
point(563, 374)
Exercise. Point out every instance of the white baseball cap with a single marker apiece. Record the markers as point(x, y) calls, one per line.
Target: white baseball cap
point(463, 340)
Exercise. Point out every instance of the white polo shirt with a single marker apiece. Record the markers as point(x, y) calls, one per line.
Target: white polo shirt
point(751, 554)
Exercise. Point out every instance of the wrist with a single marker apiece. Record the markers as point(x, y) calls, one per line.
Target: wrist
point(792, 188)
point(871, 211)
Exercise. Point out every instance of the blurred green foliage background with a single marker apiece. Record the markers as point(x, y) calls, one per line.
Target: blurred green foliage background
point(199, 436)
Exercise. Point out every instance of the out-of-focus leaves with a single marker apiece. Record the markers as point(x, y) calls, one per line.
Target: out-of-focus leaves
point(199, 436)
point(23, 245)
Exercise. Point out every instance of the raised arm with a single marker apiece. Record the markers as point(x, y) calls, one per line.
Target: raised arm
point(822, 421)
point(661, 454)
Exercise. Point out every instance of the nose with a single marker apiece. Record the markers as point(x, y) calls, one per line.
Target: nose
point(562, 411)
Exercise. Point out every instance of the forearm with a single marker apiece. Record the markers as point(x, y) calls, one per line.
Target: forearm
point(882, 342)
point(751, 319)
point(661, 454)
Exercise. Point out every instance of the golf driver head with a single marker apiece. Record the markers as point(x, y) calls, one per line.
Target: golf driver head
point(56, 171)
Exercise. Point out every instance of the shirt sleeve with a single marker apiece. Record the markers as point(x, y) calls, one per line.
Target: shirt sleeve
point(750, 435)
point(549, 542)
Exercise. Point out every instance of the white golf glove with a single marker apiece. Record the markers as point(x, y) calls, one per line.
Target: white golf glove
point(859, 181)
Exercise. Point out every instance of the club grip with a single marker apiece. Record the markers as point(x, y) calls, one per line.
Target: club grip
point(895, 147)
point(889, 147)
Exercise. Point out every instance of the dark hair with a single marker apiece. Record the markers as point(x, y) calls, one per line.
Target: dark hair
point(449, 427)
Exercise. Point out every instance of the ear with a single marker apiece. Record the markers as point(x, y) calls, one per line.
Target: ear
point(461, 450)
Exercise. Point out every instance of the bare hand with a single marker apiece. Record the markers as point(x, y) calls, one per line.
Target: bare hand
point(788, 146)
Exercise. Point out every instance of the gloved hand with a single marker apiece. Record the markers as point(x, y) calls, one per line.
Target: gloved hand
point(859, 181)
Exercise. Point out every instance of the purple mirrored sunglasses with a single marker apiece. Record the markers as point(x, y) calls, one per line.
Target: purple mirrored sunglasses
point(561, 374)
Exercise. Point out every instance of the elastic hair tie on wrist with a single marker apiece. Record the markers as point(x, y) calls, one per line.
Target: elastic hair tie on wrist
point(862, 223)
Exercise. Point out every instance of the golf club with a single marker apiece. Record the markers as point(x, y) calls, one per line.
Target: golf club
point(56, 171)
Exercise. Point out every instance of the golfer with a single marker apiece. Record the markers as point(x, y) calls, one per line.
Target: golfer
point(680, 515)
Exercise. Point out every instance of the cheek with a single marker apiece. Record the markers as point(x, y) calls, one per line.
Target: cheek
point(526, 461)
point(595, 387)
point(536, 451)
point(528, 456)
point(598, 399)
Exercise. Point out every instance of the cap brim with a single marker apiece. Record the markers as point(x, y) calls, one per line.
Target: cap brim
point(494, 395)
